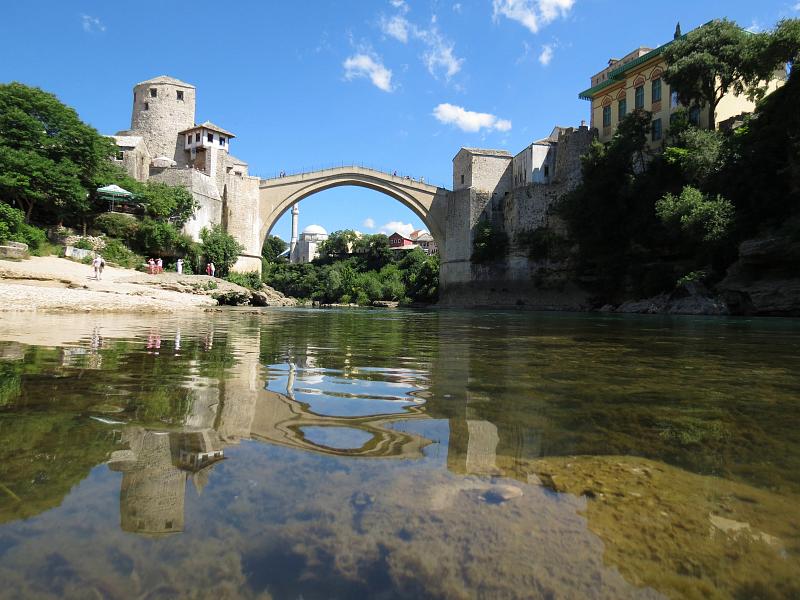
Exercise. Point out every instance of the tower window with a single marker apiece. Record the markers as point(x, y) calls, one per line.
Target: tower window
point(462, 179)
point(153, 92)
point(147, 106)
point(120, 154)
point(546, 171)
point(211, 137)
point(134, 96)
point(197, 137)
point(189, 139)
point(221, 141)
point(179, 93)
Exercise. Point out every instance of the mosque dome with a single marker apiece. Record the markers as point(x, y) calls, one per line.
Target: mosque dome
point(315, 230)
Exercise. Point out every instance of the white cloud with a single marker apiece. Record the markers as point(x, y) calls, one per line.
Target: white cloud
point(396, 27)
point(547, 54)
point(369, 223)
point(532, 14)
point(92, 24)
point(364, 65)
point(468, 120)
point(399, 5)
point(440, 55)
point(797, 6)
point(755, 27)
point(404, 229)
point(457, 7)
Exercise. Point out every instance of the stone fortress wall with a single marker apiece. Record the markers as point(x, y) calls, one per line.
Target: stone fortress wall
point(488, 193)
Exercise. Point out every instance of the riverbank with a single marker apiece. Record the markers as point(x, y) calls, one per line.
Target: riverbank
point(51, 284)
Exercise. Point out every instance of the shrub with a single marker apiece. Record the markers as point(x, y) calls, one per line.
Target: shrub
point(542, 243)
point(83, 244)
point(250, 280)
point(13, 228)
point(698, 217)
point(490, 243)
point(118, 225)
point(220, 248)
point(116, 252)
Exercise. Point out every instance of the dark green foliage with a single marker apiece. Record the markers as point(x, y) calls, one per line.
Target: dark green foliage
point(272, 248)
point(701, 219)
point(118, 225)
point(48, 156)
point(543, 243)
point(116, 252)
point(338, 245)
point(220, 248)
point(762, 172)
point(708, 63)
point(489, 244)
point(250, 280)
point(13, 228)
point(169, 203)
point(415, 276)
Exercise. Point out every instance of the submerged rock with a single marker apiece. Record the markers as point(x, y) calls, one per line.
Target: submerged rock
point(686, 535)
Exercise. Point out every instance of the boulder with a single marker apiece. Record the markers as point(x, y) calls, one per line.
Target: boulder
point(13, 250)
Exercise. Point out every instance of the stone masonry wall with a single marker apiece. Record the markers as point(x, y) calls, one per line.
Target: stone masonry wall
point(165, 117)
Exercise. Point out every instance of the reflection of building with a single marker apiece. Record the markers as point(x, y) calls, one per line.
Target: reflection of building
point(155, 470)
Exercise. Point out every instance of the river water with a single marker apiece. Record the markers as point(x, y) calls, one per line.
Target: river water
point(397, 454)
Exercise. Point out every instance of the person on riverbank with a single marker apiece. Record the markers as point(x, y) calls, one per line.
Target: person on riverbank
point(98, 264)
point(179, 266)
point(212, 268)
point(159, 265)
point(151, 266)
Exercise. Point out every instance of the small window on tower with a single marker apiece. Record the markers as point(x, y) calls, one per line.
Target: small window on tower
point(147, 106)
point(547, 171)
point(197, 137)
point(134, 96)
point(153, 92)
point(462, 179)
point(221, 141)
point(120, 154)
point(211, 137)
point(189, 139)
point(180, 95)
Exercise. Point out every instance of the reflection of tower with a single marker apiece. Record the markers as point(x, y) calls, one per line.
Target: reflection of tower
point(151, 499)
point(293, 243)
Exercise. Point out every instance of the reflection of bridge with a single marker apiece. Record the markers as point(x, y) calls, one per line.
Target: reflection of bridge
point(158, 465)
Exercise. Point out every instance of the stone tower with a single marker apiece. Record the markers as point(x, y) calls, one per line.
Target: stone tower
point(162, 107)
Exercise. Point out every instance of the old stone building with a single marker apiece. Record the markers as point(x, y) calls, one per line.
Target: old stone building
point(166, 144)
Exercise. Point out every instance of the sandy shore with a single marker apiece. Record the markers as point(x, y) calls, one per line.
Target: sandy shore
point(54, 284)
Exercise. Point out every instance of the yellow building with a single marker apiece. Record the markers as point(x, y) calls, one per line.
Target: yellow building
point(636, 82)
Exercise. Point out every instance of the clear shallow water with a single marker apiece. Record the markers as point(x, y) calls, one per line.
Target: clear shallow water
point(360, 453)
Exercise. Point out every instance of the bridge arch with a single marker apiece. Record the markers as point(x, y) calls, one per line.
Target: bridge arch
point(278, 195)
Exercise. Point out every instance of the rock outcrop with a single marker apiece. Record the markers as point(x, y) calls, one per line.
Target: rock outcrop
point(766, 278)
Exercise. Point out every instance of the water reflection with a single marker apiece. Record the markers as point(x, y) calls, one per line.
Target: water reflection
point(421, 455)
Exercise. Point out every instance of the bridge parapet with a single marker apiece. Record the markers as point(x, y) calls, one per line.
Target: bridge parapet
point(316, 173)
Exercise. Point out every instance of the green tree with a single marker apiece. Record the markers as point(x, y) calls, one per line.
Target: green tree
point(13, 228)
point(708, 63)
point(48, 156)
point(700, 218)
point(273, 247)
point(375, 250)
point(698, 154)
point(338, 245)
point(220, 248)
point(170, 203)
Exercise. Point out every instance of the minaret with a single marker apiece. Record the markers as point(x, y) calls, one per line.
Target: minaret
point(293, 242)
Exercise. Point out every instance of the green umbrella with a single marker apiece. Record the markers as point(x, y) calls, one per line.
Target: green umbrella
point(111, 192)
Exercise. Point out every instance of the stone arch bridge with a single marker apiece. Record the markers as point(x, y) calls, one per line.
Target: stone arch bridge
point(279, 194)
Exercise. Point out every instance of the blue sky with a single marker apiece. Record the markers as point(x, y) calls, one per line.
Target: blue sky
point(400, 85)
